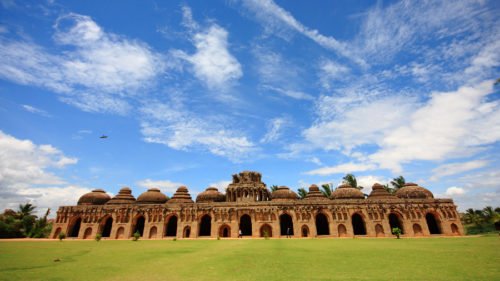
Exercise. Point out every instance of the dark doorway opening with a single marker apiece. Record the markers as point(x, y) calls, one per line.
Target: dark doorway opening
point(286, 225)
point(246, 225)
point(106, 231)
point(171, 226)
point(76, 228)
point(358, 225)
point(225, 232)
point(139, 225)
point(394, 222)
point(432, 224)
point(205, 226)
point(187, 231)
point(305, 231)
point(322, 227)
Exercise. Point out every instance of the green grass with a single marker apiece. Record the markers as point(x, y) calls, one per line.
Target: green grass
point(468, 258)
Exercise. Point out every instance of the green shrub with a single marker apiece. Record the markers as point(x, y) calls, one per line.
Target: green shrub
point(137, 235)
point(98, 237)
point(61, 236)
point(396, 231)
point(266, 234)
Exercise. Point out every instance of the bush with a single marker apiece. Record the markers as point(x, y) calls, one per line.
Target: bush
point(61, 236)
point(266, 234)
point(98, 237)
point(175, 239)
point(396, 231)
point(137, 235)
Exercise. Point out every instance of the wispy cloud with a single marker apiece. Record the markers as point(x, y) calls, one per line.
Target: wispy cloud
point(35, 110)
point(457, 168)
point(342, 169)
point(165, 186)
point(275, 129)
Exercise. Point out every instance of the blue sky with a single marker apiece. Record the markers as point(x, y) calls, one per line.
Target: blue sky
point(192, 92)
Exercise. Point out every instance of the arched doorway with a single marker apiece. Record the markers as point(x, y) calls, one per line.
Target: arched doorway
point(171, 228)
point(75, 228)
point(120, 233)
point(379, 230)
point(153, 232)
point(454, 229)
point(106, 229)
point(205, 226)
point(342, 230)
point(358, 225)
point(186, 232)
point(56, 233)
point(417, 229)
point(246, 225)
point(322, 227)
point(266, 230)
point(305, 231)
point(139, 225)
point(395, 221)
point(87, 233)
point(225, 231)
point(286, 225)
point(432, 224)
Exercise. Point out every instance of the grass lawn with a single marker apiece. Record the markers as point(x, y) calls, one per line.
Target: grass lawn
point(468, 258)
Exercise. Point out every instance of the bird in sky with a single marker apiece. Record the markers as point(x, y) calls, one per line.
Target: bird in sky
point(103, 137)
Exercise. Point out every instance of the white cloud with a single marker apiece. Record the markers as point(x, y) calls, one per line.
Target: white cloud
point(457, 168)
point(35, 110)
point(275, 129)
point(221, 185)
point(368, 181)
point(315, 160)
point(342, 169)
point(298, 95)
point(331, 71)
point(455, 191)
point(165, 186)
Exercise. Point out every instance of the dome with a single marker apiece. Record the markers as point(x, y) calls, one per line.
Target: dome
point(379, 192)
point(315, 194)
point(124, 196)
point(413, 191)
point(211, 194)
point(96, 197)
point(345, 191)
point(152, 196)
point(283, 193)
point(181, 196)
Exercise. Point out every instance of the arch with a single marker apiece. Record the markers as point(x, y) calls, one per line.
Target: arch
point(322, 226)
point(454, 229)
point(286, 225)
point(432, 224)
point(417, 229)
point(74, 227)
point(395, 220)
point(266, 228)
point(358, 224)
point(138, 225)
point(205, 226)
point(120, 233)
point(171, 227)
point(246, 225)
point(225, 231)
point(153, 232)
point(379, 230)
point(186, 232)
point(56, 233)
point(106, 227)
point(305, 231)
point(342, 230)
point(87, 233)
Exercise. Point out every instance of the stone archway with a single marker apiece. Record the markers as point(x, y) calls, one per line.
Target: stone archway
point(305, 231)
point(171, 227)
point(454, 229)
point(432, 224)
point(396, 221)
point(120, 233)
point(138, 225)
point(186, 232)
point(88, 233)
point(153, 232)
point(322, 226)
point(205, 226)
point(417, 229)
point(266, 228)
point(74, 228)
point(379, 230)
point(106, 227)
point(225, 231)
point(358, 224)
point(246, 225)
point(286, 225)
point(56, 233)
point(342, 230)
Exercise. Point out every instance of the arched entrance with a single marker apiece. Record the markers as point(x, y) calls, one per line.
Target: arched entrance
point(225, 231)
point(432, 224)
point(186, 232)
point(342, 230)
point(379, 230)
point(395, 221)
point(106, 229)
point(266, 230)
point(153, 232)
point(454, 229)
point(120, 233)
point(417, 229)
point(205, 226)
point(171, 228)
point(74, 229)
point(358, 225)
point(139, 225)
point(246, 225)
point(87, 233)
point(322, 227)
point(305, 231)
point(286, 225)
point(56, 233)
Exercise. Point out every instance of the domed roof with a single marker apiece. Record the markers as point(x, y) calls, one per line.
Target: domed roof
point(283, 193)
point(413, 191)
point(315, 194)
point(152, 196)
point(96, 197)
point(181, 196)
point(124, 196)
point(211, 194)
point(345, 191)
point(379, 192)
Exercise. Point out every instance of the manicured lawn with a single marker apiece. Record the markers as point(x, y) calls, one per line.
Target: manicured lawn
point(476, 258)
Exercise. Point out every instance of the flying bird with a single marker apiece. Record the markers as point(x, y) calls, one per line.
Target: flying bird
point(104, 137)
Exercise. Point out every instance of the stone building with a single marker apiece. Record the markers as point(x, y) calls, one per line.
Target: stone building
point(250, 207)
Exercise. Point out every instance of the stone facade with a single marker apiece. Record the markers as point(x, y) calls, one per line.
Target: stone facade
point(250, 207)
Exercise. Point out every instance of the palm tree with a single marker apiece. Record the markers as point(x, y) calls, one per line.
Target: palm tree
point(326, 189)
point(398, 183)
point(302, 193)
point(274, 188)
point(489, 215)
point(25, 210)
point(351, 180)
point(389, 189)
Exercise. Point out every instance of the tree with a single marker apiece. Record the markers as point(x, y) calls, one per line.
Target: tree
point(389, 189)
point(274, 188)
point(489, 215)
point(326, 189)
point(351, 180)
point(396, 231)
point(398, 183)
point(302, 193)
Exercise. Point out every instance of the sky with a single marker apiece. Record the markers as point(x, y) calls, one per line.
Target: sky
point(192, 92)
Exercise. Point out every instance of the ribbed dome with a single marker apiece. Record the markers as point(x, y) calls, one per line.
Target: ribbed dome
point(152, 196)
point(181, 196)
point(413, 191)
point(315, 194)
point(211, 194)
point(283, 193)
point(96, 197)
point(345, 191)
point(124, 196)
point(379, 192)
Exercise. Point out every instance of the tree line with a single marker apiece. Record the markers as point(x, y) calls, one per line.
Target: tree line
point(24, 223)
point(480, 221)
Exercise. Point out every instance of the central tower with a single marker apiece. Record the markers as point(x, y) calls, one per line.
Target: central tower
point(247, 186)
